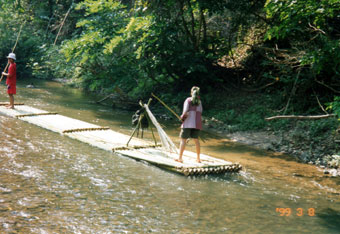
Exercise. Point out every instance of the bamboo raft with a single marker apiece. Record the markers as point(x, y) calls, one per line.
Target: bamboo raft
point(105, 138)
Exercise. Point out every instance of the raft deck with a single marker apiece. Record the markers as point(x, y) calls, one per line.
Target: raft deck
point(107, 139)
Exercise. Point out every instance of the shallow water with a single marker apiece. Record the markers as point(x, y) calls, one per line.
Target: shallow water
point(50, 183)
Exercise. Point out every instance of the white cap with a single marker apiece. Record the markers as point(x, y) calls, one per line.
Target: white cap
point(11, 56)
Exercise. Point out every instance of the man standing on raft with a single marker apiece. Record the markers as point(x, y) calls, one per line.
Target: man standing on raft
point(11, 80)
point(192, 122)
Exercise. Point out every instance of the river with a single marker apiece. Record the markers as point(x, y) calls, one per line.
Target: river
point(50, 183)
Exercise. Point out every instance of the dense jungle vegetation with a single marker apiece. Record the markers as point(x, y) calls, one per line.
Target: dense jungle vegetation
point(251, 58)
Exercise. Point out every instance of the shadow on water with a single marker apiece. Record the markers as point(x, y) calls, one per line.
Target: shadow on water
point(330, 218)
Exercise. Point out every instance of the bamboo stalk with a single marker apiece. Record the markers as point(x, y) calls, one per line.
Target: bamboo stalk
point(173, 112)
point(138, 124)
point(153, 135)
point(85, 129)
point(16, 104)
point(134, 147)
point(166, 106)
point(36, 114)
point(62, 23)
point(15, 45)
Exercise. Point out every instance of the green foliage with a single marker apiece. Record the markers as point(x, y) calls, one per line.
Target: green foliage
point(306, 37)
point(293, 18)
point(159, 44)
point(48, 63)
point(335, 106)
point(310, 27)
point(141, 46)
point(322, 127)
point(98, 66)
point(253, 119)
point(41, 21)
point(168, 46)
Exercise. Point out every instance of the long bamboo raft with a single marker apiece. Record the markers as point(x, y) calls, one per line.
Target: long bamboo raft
point(105, 138)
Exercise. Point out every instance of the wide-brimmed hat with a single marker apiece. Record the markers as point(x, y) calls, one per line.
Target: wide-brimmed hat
point(11, 56)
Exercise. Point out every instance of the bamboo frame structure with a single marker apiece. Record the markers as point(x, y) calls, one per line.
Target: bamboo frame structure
point(109, 140)
point(139, 124)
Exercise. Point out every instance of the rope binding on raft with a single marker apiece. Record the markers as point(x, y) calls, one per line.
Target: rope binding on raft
point(15, 104)
point(135, 147)
point(35, 114)
point(190, 171)
point(85, 129)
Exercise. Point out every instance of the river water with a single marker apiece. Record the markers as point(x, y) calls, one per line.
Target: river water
point(50, 183)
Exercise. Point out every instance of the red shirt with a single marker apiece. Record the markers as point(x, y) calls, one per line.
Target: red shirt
point(12, 75)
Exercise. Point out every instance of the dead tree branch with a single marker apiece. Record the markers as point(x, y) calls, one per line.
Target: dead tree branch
point(292, 92)
point(327, 86)
point(310, 117)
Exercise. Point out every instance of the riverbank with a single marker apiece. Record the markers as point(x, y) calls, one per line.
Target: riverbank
point(283, 142)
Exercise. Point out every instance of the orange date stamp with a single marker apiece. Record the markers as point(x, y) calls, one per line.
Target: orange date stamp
point(298, 212)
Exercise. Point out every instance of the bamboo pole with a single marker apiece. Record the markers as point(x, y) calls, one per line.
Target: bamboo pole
point(153, 135)
point(133, 133)
point(13, 49)
point(138, 124)
point(166, 106)
point(62, 23)
point(173, 112)
point(149, 120)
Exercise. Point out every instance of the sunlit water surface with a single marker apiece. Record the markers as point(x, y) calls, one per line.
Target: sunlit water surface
point(50, 183)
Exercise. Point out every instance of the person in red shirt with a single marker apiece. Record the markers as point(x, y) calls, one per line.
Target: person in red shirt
point(11, 80)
